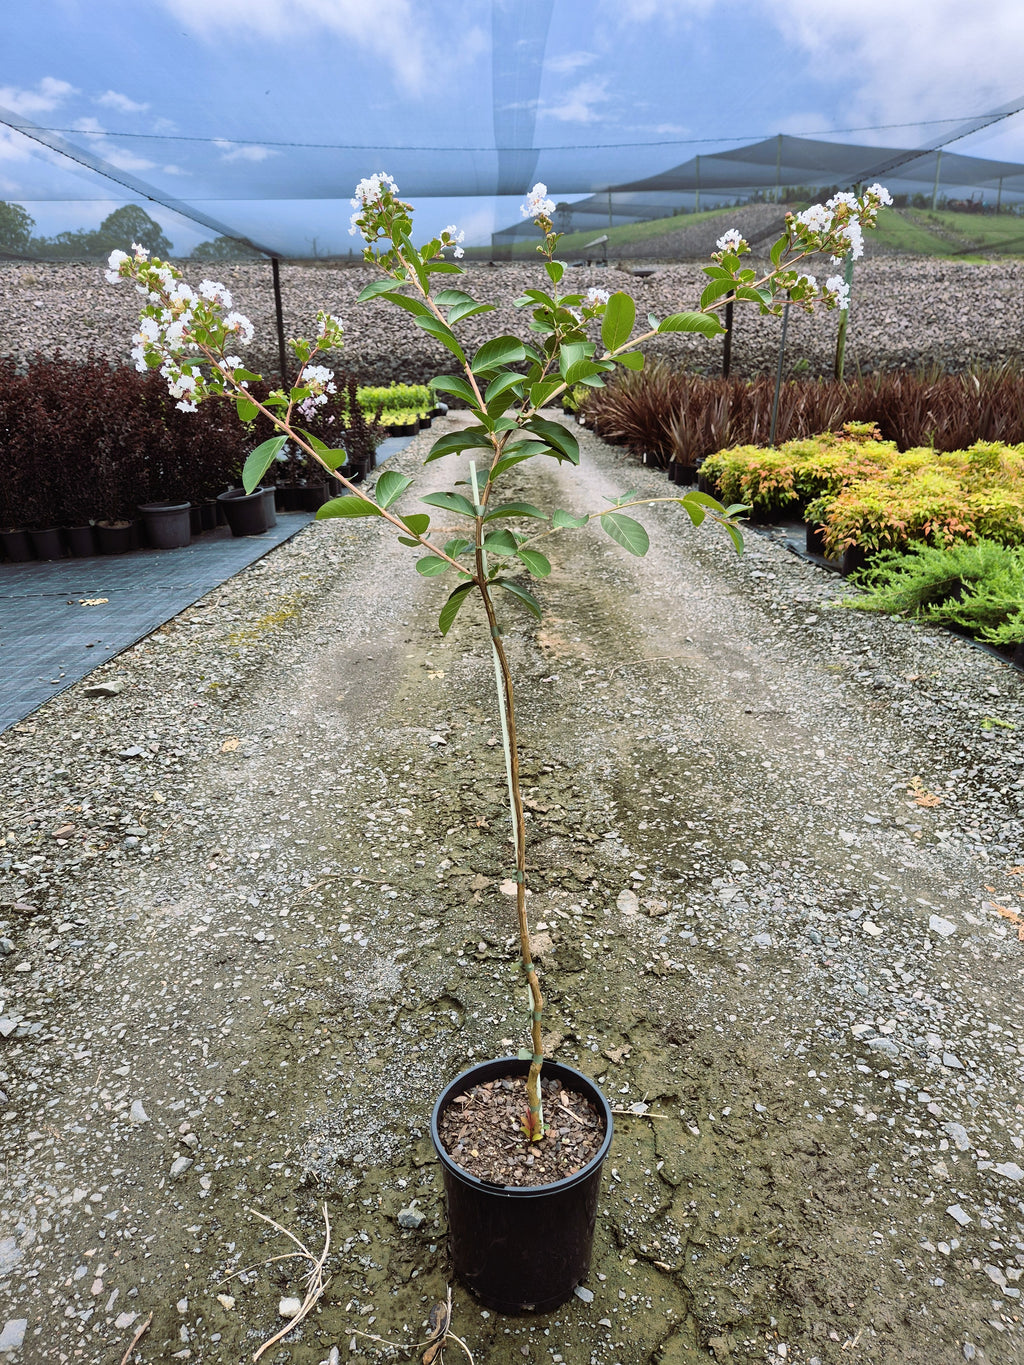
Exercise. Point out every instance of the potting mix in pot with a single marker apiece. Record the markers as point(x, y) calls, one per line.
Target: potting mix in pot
point(507, 1128)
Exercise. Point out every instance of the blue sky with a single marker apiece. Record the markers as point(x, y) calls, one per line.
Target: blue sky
point(263, 113)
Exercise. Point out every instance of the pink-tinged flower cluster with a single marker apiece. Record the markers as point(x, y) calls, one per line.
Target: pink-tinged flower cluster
point(537, 204)
point(731, 241)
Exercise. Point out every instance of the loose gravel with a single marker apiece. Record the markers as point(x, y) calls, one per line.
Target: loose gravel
point(252, 919)
point(906, 313)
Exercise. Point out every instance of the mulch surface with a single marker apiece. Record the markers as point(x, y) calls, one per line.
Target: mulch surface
point(482, 1132)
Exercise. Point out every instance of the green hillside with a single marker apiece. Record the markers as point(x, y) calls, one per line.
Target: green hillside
point(943, 233)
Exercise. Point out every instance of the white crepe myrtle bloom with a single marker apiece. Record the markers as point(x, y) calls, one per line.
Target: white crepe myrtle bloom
point(837, 288)
point(807, 280)
point(370, 192)
point(730, 241)
point(238, 322)
point(880, 193)
point(818, 218)
point(113, 273)
point(854, 237)
point(139, 252)
point(843, 197)
point(595, 297)
point(215, 292)
point(537, 204)
point(328, 322)
point(451, 236)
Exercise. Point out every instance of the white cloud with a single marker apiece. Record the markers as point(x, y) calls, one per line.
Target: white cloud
point(568, 62)
point(400, 32)
point(580, 104)
point(231, 151)
point(110, 99)
point(918, 59)
point(121, 157)
point(47, 95)
point(664, 11)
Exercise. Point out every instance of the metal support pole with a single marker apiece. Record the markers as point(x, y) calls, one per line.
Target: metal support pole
point(999, 196)
point(727, 340)
point(696, 201)
point(778, 168)
point(778, 373)
point(609, 208)
point(844, 318)
point(282, 365)
point(935, 190)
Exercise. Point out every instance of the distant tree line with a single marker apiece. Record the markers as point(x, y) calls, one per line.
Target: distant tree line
point(121, 229)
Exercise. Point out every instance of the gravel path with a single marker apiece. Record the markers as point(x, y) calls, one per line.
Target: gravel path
point(906, 312)
point(252, 920)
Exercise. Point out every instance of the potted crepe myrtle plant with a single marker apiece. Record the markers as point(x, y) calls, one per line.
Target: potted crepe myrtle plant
point(517, 1245)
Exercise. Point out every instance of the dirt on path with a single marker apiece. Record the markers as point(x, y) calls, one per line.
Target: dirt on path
point(776, 860)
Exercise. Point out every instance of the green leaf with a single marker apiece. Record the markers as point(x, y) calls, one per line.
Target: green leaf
point(584, 370)
point(454, 548)
point(444, 334)
point(626, 532)
point(508, 461)
point(617, 323)
point(415, 306)
point(493, 355)
point(571, 353)
point(524, 595)
point(443, 268)
point(470, 438)
point(501, 543)
point(704, 500)
point(259, 461)
point(538, 564)
point(448, 298)
point(777, 250)
point(451, 608)
point(555, 435)
point(633, 360)
point(736, 537)
point(390, 486)
point(467, 310)
point(502, 383)
point(693, 510)
point(540, 393)
point(417, 522)
point(704, 323)
point(372, 290)
point(431, 565)
point(565, 519)
point(450, 502)
point(515, 509)
point(246, 408)
point(555, 271)
point(348, 506)
point(715, 290)
point(454, 383)
point(334, 458)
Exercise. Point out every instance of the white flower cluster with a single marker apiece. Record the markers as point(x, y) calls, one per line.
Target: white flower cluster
point(537, 204)
point(328, 322)
point(837, 288)
point(320, 380)
point(851, 233)
point(730, 241)
point(369, 194)
point(595, 297)
point(451, 236)
point(166, 329)
point(817, 218)
point(880, 193)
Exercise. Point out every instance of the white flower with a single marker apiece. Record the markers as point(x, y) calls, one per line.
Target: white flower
point(730, 241)
point(370, 192)
point(843, 197)
point(451, 236)
point(537, 204)
point(354, 223)
point(852, 233)
point(113, 274)
point(233, 362)
point(880, 193)
point(595, 296)
point(238, 322)
point(817, 218)
point(215, 292)
point(808, 280)
point(139, 252)
point(837, 287)
point(319, 378)
point(187, 407)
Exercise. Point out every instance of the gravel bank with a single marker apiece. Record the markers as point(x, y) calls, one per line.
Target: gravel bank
point(906, 313)
point(252, 920)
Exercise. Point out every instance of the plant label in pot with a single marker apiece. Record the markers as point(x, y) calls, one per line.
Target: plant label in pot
point(508, 384)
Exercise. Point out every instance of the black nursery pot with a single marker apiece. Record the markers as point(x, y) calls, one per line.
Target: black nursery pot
point(81, 541)
point(815, 539)
point(16, 546)
point(47, 544)
point(521, 1249)
point(246, 512)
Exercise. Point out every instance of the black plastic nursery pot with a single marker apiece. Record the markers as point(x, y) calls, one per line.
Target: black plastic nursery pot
point(208, 511)
point(47, 544)
point(521, 1248)
point(246, 512)
point(815, 539)
point(168, 524)
point(81, 541)
point(116, 537)
point(269, 505)
point(855, 557)
point(16, 546)
point(195, 519)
